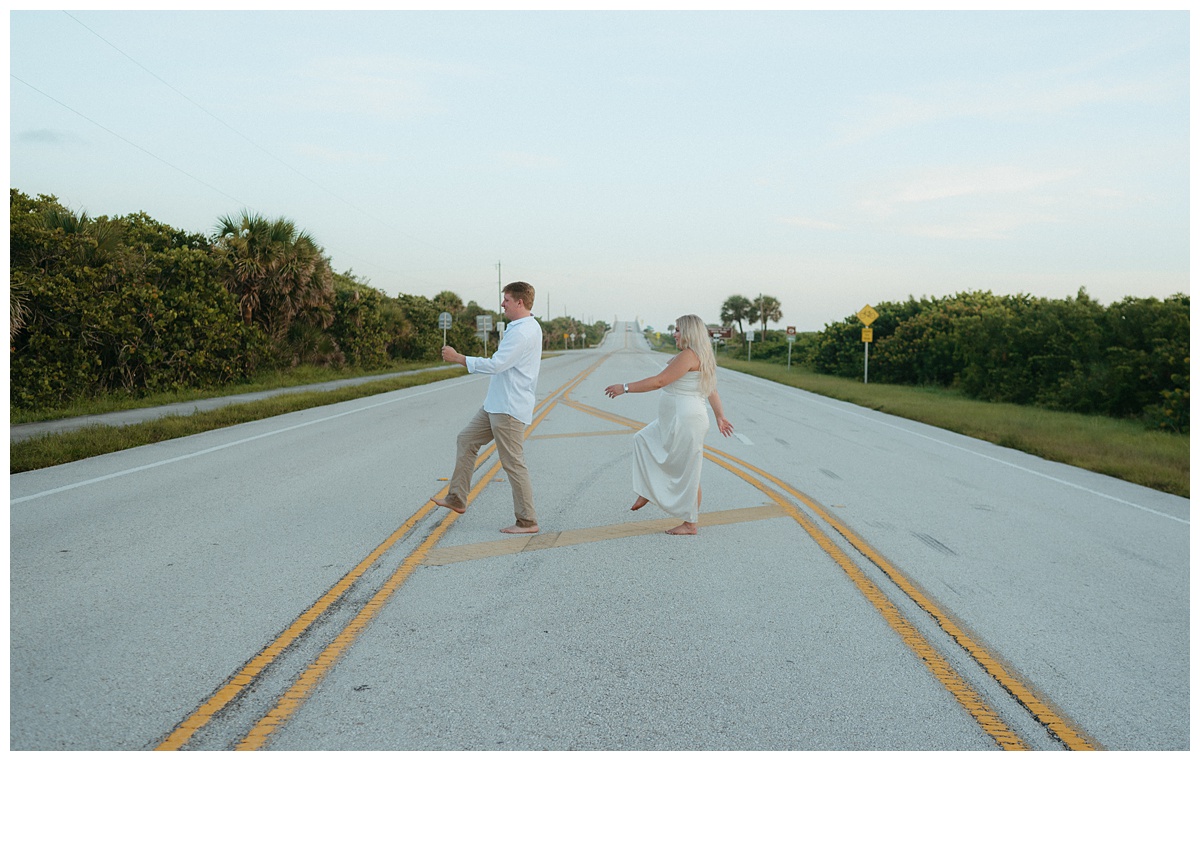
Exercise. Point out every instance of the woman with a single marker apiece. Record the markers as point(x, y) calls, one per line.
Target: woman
point(668, 453)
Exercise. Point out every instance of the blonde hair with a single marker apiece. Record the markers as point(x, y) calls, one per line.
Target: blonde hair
point(693, 333)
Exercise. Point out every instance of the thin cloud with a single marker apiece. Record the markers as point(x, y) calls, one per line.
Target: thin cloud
point(526, 160)
point(997, 225)
point(327, 154)
point(961, 203)
point(1011, 98)
point(48, 137)
point(379, 86)
point(812, 224)
point(941, 184)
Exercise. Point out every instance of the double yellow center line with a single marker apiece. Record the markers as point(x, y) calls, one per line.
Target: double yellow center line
point(790, 502)
point(1043, 712)
point(311, 676)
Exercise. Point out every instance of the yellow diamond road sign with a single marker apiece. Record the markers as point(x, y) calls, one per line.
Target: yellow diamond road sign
point(867, 315)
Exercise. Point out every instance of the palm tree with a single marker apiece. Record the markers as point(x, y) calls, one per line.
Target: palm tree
point(735, 309)
point(18, 309)
point(448, 302)
point(767, 308)
point(98, 239)
point(276, 272)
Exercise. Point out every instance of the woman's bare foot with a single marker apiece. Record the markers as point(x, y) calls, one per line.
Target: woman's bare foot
point(685, 528)
point(641, 500)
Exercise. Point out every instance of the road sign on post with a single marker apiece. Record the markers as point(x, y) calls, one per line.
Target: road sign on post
point(749, 341)
point(444, 322)
point(483, 324)
point(791, 337)
point(867, 316)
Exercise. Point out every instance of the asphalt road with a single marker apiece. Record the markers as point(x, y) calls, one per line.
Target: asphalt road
point(860, 582)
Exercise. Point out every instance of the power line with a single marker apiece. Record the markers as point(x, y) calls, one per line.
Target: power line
point(268, 153)
point(130, 142)
point(244, 137)
point(143, 149)
point(211, 114)
point(161, 159)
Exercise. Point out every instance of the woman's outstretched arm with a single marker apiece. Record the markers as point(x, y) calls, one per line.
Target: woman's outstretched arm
point(684, 361)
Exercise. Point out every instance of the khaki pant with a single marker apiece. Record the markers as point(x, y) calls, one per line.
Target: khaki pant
point(509, 435)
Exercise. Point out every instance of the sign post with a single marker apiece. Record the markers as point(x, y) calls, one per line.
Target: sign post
point(749, 342)
point(867, 316)
point(791, 336)
point(444, 322)
point(483, 324)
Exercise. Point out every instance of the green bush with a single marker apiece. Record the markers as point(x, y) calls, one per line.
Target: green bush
point(1127, 360)
point(124, 305)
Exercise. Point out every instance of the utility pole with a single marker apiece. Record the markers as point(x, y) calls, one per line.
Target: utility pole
point(499, 289)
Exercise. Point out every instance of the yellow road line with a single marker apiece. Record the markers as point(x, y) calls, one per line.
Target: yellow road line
point(575, 537)
point(294, 697)
point(311, 676)
point(578, 434)
point(233, 687)
point(237, 684)
point(963, 692)
point(967, 696)
point(1070, 735)
point(1054, 721)
point(299, 691)
point(600, 413)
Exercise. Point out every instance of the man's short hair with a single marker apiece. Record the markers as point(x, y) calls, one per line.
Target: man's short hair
point(521, 291)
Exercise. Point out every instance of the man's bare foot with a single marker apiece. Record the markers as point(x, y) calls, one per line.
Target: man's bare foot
point(442, 502)
point(641, 500)
point(520, 530)
point(685, 528)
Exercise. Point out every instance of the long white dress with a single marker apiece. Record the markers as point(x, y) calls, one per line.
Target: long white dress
point(669, 451)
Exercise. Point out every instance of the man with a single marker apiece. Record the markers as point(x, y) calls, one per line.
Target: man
point(506, 411)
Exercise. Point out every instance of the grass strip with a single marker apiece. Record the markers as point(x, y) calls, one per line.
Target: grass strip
point(61, 448)
point(268, 381)
point(1124, 449)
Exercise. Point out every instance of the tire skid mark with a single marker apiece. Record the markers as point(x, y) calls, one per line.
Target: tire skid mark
point(245, 677)
point(1053, 721)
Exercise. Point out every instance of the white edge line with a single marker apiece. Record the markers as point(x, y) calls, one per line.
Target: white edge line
point(862, 413)
point(119, 473)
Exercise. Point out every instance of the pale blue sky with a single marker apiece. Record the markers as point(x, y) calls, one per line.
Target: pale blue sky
point(638, 164)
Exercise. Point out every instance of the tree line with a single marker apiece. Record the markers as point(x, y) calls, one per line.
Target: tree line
point(739, 308)
point(1126, 360)
point(133, 306)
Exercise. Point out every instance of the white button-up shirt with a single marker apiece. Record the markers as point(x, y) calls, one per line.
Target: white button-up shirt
point(514, 369)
